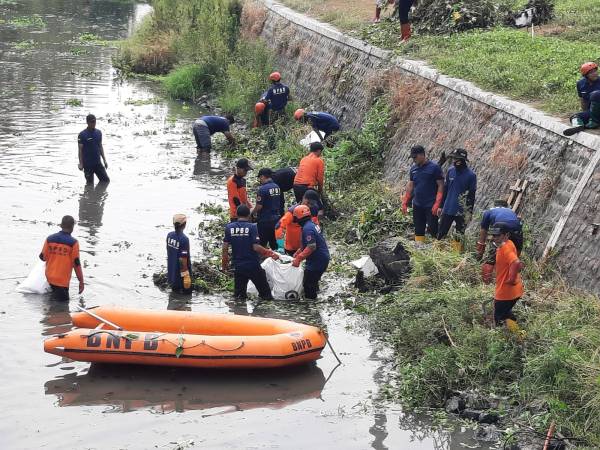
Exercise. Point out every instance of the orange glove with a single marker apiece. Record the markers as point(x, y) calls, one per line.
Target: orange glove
point(268, 253)
point(405, 201)
point(437, 204)
point(225, 262)
point(480, 249)
point(300, 256)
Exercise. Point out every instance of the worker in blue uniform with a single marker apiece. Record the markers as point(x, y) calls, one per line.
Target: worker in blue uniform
point(459, 197)
point(242, 236)
point(314, 250)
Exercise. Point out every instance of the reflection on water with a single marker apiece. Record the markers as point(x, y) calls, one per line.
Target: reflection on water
point(179, 301)
point(165, 389)
point(91, 208)
point(55, 314)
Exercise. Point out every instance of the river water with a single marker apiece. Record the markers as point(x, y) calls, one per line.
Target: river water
point(46, 402)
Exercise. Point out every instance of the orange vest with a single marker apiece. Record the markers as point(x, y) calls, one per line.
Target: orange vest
point(61, 253)
point(236, 188)
point(506, 255)
point(311, 171)
point(293, 231)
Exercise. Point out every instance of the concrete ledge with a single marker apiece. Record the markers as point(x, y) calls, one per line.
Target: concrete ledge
point(420, 69)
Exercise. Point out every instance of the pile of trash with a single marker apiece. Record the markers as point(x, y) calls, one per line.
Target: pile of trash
point(386, 266)
point(206, 278)
point(449, 16)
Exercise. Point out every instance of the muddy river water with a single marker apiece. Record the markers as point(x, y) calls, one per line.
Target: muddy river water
point(46, 402)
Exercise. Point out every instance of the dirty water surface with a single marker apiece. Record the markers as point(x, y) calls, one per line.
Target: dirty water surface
point(52, 76)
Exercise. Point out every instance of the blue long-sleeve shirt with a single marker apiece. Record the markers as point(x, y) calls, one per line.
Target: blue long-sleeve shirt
point(459, 191)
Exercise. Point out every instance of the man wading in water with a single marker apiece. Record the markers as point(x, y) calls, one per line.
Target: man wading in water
point(90, 151)
point(61, 253)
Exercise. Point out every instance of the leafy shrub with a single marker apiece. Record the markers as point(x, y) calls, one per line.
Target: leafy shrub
point(245, 78)
point(188, 82)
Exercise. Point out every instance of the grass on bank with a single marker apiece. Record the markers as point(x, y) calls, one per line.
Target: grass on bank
point(542, 71)
point(439, 322)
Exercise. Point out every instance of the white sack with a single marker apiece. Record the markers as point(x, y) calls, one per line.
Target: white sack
point(36, 282)
point(285, 280)
point(310, 138)
point(367, 266)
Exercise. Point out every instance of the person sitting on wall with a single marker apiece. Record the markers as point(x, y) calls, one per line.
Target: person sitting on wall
point(324, 124)
point(588, 89)
point(206, 126)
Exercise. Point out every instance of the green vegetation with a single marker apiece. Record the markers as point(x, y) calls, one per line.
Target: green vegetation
point(74, 102)
point(142, 102)
point(24, 46)
point(542, 69)
point(196, 45)
point(91, 39)
point(33, 21)
point(79, 51)
point(438, 323)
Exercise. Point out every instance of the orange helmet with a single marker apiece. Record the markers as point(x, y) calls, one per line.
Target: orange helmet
point(301, 211)
point(587, 68)
point(275, 76)
point(299, 114)
point(259, 108)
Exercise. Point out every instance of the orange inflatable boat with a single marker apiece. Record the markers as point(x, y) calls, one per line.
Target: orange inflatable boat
point(186, 339)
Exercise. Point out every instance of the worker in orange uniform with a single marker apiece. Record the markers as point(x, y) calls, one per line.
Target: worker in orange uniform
point(236, 188)
point(61, 253)
point(261, 115)
point(311, 172)
point(291, 228)
point(509, 285)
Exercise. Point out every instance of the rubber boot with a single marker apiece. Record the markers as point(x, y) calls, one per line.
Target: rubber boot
point(456, 245)
point(487, 273)
point(405, 32)
point(420, 239)
point(594, 121)
point(577, 121)
point(377, 14)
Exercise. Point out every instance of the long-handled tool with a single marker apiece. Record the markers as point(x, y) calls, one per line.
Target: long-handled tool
point(97, 317)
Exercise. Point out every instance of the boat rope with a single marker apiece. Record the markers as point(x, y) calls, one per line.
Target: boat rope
point(130, 337)
point(204, 343)
point(331, 347)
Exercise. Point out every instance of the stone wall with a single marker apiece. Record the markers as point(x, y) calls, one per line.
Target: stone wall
point(506, 140)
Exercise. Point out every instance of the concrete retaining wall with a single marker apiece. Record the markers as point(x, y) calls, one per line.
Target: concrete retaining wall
point(506, 140)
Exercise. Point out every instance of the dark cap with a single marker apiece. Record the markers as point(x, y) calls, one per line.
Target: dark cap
point(243, 163)
point(499, 228)
point(316, 146)
point(417, 150)
point(266, 172)
point(243, 211)
point(312, 195)
point(459, 153)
